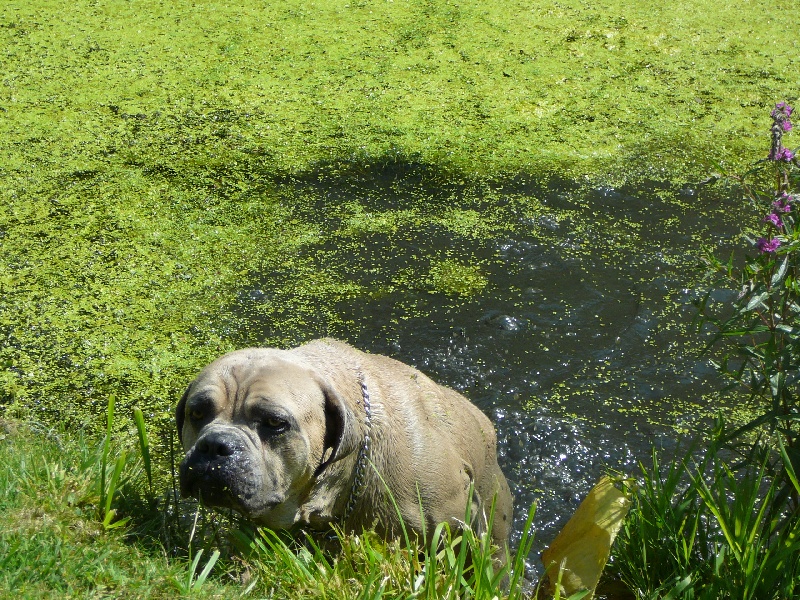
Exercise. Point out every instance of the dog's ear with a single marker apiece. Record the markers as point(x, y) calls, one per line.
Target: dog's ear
point(180, 414)
point(341, 434)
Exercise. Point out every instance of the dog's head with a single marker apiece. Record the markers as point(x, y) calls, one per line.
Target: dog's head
point(258, 429)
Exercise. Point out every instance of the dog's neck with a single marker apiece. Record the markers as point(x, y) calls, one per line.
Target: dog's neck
point(318, 511)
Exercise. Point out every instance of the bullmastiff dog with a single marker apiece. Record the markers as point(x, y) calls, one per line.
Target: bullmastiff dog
point(323, 433)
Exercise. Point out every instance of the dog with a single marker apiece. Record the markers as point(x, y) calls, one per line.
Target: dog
point(326, 434)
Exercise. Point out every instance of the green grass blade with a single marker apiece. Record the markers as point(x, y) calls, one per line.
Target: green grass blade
point(201, 578)
point(787, 463)
point(192, 571)
point(523, 550)
point(106, 448)
point(108, 512)
point(399, 514)
point(144, 446)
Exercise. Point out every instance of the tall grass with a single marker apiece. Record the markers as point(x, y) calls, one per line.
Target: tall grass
point(445, 563)
point(107, 486)
point(191, 552)
point(452, 564)
point(144, 447)
point(54, 542)
point(701, 528)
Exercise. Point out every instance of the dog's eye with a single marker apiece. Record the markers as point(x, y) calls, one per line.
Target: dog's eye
point(274, 424)
point(200, 408)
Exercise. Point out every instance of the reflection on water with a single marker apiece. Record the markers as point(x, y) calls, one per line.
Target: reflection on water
point(576, 347)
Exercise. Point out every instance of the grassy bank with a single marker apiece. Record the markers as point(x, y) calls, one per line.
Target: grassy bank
point(56, 542)
point(51, 543)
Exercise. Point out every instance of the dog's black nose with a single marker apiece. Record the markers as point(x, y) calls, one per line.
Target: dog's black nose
point(215, 445)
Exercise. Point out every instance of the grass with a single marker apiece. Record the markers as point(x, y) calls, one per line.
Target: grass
point(712, 526)
point(55, 541)
point(52, 542)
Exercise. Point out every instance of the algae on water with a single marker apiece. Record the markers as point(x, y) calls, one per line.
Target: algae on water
point(157, 158)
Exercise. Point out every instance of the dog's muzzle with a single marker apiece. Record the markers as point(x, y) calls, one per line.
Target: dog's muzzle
point(219, 470)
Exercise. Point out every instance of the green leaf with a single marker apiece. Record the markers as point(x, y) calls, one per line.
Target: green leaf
point(788, 329)
point(201, 578)
point(787, 464)
point(144, 445)
point(112, 488)
point(678, 589)
point(776, 382)
point(778, 276)
point(756, 301)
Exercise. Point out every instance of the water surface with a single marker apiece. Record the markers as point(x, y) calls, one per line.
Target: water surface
point(576, 346)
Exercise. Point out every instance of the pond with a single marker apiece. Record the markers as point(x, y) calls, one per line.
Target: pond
point(560, 308)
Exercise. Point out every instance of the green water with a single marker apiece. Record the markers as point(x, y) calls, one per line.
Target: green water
point(562, 310)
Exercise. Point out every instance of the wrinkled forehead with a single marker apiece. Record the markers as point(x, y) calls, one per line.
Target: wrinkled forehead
point(256, 372)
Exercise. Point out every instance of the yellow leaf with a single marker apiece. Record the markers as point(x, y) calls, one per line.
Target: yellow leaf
point(582, 547)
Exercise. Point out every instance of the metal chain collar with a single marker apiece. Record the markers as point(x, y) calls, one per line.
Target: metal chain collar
point(363, 453)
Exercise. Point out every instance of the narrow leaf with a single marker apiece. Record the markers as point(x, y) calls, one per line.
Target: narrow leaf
point(780, 273)
point(787, 463)
point(756, 301)
point(144, 445)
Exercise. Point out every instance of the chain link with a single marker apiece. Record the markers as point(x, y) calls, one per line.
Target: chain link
point(363, 453)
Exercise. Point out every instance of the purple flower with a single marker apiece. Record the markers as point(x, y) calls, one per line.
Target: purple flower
point(783, 203)
point(781, 111)
point(780, 123)
point(774, 219)
point(781, 207)
point(765, 245)
point(782, 155)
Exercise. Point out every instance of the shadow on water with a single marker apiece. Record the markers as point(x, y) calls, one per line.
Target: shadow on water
point(574, 340)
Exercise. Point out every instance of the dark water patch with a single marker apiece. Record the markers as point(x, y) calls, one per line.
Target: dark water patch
point(560, 309)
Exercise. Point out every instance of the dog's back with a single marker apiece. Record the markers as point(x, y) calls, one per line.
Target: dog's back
point(428, 443)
